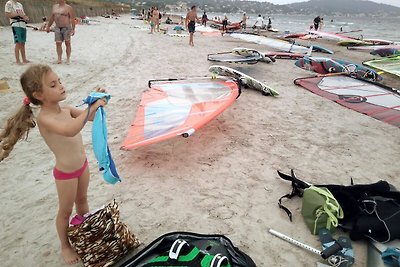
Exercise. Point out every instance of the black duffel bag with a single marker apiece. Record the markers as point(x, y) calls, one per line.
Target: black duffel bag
point(191, 250)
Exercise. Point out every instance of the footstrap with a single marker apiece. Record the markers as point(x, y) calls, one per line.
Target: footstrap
point(218, 260)
point(176, 248)
point(297, 190)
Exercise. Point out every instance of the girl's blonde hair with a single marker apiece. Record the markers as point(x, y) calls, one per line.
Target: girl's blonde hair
point(18, 126)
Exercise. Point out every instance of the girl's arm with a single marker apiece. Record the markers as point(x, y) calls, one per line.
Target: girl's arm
point(70, 128)
point(76, 112)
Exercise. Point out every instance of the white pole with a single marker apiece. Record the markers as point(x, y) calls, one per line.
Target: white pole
point(295, 242)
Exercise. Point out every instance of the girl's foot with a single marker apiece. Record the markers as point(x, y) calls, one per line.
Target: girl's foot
point(26, 61)
point(18, 63)
point(59, 61)
point(70, 256)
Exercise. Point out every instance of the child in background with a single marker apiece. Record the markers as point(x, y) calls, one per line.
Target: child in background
point(44, 24)
point(60, 128)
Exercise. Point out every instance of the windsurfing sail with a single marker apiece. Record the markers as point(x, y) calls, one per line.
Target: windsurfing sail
point(372, 99)
point(387, 64)
point(330, 36)
point(386, 52)
point(324, 65)
point(370, 48)
point(241, 55)
point(272, 43)
point(230, 57)
point(378, 41)
point(172, 108)
point(353, 42)
point(207, 30)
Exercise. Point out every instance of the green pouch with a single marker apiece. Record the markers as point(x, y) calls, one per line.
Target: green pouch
point(320, 209)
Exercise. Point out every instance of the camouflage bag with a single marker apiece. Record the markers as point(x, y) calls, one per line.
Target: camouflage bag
point(102, 239)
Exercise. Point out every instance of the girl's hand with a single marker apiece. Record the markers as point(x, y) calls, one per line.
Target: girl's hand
point(101, 90)
point(101, 102)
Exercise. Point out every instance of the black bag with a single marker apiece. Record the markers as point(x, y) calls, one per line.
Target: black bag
point(371, 211)
point(378, 220)
point(216, 247)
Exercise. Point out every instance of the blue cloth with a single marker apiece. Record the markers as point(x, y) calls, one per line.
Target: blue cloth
point(99, 140)
point(391, 256)
point(178, 28)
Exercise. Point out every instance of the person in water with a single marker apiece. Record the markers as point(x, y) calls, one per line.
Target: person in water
point(190, 22)
point(64, 17)
point(18, 19)
point(60, 127)
point(204, 19)
point(317, 20)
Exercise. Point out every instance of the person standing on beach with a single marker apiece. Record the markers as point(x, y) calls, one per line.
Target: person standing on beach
point(151, 20)
point(224, 24)
point(64, 17)
point(204, 19)
point(259, 23)
point(190, 21)
point(15, 12)
point(321, 24)
point(60, 127)
point(156, 19)
point(269, 26)
point(317, 20)
point(148, 15)
point(244, 22)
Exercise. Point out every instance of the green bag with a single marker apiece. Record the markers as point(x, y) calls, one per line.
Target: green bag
point(320, 209)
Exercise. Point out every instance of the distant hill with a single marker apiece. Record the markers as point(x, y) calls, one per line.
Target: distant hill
point(323, 7)
point(343, 7)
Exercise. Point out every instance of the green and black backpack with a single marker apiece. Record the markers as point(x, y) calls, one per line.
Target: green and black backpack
point(184, 249)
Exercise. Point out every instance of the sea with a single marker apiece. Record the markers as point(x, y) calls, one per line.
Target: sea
point(387, 28)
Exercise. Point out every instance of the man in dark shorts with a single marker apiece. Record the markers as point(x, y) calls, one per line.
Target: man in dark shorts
point(190, 21)
point(317, 20)
point(204, 19)
point(269, 26)
point(15, 12)
point(224, 24)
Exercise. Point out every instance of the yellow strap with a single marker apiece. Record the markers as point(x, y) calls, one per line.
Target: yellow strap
point(331, 207)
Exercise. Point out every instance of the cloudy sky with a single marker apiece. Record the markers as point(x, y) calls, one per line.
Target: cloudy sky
point(390, 2)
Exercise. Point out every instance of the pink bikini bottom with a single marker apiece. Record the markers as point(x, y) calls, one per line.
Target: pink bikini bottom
point(59, 175)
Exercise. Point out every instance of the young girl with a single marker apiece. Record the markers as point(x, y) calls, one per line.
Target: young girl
point(60, 128)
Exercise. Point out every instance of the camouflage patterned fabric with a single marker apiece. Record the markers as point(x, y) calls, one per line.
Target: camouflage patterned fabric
point(102, 239)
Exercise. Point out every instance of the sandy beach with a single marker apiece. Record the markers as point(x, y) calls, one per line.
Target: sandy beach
point(220, 180)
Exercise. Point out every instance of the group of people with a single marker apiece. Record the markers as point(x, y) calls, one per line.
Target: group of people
point(260, 24)
point(153, 16)
point(62, 15)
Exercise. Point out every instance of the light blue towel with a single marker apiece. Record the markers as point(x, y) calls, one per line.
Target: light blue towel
point(99, 140)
